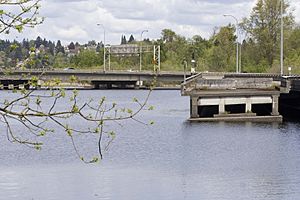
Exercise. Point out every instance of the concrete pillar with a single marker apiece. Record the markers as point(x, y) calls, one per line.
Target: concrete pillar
point(11, 86)
point(275, 105)
point(96, 86)
point(248, 105)
point(194, 107)
point(222, 106)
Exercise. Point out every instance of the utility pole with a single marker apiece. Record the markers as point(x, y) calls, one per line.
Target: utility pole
point(104, 56)
point(141, 48)
point(281, 38)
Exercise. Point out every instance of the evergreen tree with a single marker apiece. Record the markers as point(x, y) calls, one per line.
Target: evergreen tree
point(123, 41)
point(71, 45)
point(38, 42)
point(131, 39)
point(59, 48)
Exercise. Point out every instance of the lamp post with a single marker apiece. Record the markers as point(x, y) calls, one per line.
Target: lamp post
point(104, 59)
point(237, 41)
point(141, 48)
point(281, 38)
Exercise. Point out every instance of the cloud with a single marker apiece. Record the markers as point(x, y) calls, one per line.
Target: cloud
point(75, 20)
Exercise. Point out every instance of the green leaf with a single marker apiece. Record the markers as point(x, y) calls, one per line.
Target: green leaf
point(69, 131)
point(135, 99)
point(42, 133)
point(151, 108)
point(19, 28)
point(13, 47)
point(94, 160)
point(75, 109)
point(38, 147)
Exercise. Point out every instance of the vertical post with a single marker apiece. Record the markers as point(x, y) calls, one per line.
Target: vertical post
point(248, 105)
point(158, 57)
point(275, 105)
point(109, 59)
point(141, 48)
point(237, 49)
point(194, 107)
point(281, 38)
point(104, 56)
point(184, 71)
point(240, 70)
point(222, 106)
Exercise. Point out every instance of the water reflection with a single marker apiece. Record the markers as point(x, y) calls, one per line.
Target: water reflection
point(172, 160)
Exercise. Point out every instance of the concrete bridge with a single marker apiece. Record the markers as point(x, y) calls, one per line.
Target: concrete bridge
point(242, 97)
point(98, 79)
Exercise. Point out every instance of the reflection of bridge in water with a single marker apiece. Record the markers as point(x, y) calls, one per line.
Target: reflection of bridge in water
point(242, 97)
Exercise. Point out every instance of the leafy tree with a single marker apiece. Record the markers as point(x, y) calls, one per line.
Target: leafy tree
point(263, 27)
point(221, 56)
point(168, 35)
point(86, 59)
point(292, 49)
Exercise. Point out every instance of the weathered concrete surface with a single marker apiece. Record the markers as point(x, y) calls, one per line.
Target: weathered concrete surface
point(210, 90)
point(264, 119)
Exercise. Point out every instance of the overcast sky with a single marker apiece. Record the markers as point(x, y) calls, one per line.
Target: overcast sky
point(76, 20)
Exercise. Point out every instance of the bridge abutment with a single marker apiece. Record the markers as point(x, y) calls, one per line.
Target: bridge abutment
point(217, 98)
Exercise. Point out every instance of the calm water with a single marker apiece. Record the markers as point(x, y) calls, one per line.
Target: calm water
point(172, 160)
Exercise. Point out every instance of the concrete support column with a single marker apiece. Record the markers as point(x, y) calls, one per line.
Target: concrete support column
point(96, 86)
point(222, 106)
point(194, 107)
point(275, 105)
point(248, 105)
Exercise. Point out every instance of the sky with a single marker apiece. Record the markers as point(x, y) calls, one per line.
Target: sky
point(76, 20)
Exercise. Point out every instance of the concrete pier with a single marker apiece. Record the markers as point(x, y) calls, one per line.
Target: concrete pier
point(215, 97)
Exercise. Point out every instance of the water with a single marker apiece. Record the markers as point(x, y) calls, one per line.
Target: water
point(171, 160)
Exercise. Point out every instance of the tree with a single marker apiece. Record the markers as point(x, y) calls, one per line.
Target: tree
point(168, 35)
point(263, 27)
point(221, 56)
point(59, 48)
point(86, 59)
point(71, 45)
point(123, 40)
point(131, 39)
point(292, 51)
point(38, 42)
point(19, 14)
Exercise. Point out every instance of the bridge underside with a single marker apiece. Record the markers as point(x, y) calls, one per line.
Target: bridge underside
point(14, 84)
point(289, 105)
point(115, 84)
point(232, 106)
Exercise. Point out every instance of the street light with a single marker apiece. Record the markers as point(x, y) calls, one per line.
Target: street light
point(237, 41)
point(103, 46)
point(141, 48)
point(281, 38)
